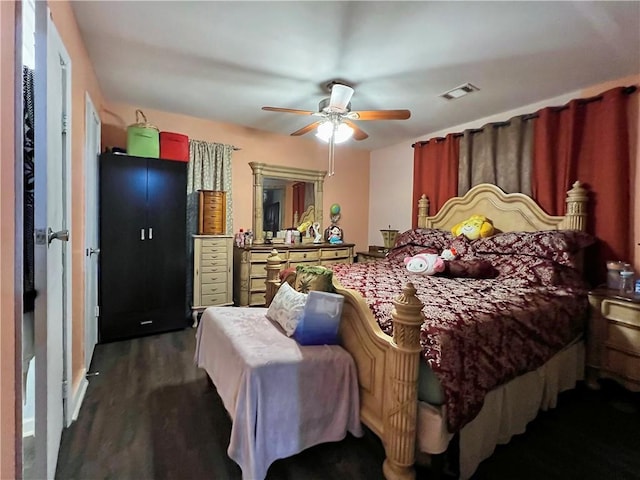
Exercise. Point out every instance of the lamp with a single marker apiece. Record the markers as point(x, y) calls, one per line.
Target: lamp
point(340, 132)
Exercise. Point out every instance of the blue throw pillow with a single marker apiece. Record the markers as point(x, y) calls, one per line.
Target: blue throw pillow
point(320, 319)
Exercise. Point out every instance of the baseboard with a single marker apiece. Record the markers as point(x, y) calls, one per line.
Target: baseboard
point(78, 398)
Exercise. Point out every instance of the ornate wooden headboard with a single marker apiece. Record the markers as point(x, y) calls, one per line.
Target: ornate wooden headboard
point(507, 211)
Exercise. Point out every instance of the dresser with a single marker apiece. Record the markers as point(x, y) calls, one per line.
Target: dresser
point(249, 265)
point(613, 339)
point(212, 272)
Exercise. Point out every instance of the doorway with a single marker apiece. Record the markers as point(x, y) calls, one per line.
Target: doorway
point(52, 249)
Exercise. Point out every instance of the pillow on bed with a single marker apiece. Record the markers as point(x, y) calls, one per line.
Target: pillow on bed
point(560, 246)
point(284, 275)
point(526, 268)
point(463, 246)
point(286, 308)
point(320, 319)
point(313, 278)
point(411, 242)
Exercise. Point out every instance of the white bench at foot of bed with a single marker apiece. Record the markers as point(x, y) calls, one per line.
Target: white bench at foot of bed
point(282, 397)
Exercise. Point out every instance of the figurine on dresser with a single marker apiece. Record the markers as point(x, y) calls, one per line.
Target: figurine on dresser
point(333, 234)
point(316, 232)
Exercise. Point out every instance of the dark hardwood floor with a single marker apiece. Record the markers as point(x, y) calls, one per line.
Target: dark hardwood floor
point(151, 414)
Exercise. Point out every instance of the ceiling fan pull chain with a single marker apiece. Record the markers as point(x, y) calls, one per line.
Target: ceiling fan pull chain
point(331, 151)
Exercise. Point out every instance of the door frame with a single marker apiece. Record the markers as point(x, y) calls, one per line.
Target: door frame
point(46, 455)
point(18, 236)
point(91, 238)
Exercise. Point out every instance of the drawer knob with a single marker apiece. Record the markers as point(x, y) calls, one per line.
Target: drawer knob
point(304, 255)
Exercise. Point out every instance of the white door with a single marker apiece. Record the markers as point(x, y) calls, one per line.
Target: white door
point(52, 253)
point(92, 250)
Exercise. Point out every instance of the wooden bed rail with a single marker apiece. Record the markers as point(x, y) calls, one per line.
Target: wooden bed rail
point(388, 398)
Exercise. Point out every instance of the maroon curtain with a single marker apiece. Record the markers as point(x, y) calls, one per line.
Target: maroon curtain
point(298, 199)
point(588, 140)
point(435, 172)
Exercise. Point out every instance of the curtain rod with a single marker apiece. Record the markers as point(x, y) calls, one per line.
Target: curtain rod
point(233, 147)
point(529, 116)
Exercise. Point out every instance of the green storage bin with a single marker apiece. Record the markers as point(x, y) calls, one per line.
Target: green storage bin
point(143, 138)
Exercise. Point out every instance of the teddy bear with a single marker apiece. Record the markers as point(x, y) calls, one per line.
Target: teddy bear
point(474, 227)
point(425, 263)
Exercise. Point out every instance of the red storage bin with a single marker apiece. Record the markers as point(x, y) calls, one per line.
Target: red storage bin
point(174, 146)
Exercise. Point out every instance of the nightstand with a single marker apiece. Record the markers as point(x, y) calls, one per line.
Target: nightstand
point(370, 256)
point(613, 339)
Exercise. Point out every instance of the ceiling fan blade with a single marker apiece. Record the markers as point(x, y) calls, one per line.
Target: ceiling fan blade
point(358, 133)
point(379, 115)
point(340, 97)
point(306, 129)
point(288, 110)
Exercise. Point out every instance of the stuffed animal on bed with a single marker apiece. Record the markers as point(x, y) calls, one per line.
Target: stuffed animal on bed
point(425, 263)
point(449, 254)
point(474, 227)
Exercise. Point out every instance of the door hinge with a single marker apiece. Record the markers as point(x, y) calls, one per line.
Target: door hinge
point(97, 311)
point(65, 389)
point(64, 122)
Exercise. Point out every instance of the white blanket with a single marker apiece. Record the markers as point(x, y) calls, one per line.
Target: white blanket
point(282, 397)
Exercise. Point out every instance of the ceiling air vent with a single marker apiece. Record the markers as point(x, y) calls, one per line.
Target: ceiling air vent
point(460, 91)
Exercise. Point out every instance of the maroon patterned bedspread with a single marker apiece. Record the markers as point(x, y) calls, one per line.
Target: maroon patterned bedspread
point(480, 333)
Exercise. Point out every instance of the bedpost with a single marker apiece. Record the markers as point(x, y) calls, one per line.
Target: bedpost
point(423, 211)
point(400, 419)
point(576, 214)
point(274, 264)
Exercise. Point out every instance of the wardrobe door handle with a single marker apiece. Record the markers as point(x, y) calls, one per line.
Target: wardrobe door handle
point(150, 233)
point(142, 234)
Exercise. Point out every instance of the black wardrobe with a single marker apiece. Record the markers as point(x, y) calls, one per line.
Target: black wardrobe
point(142, 279)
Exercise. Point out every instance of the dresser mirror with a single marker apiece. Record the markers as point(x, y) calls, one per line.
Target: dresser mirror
point(274, 190)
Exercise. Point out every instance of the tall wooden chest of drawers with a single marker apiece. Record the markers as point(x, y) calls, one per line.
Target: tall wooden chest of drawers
point(212, 271)
point(249, 265)
point(212, 212)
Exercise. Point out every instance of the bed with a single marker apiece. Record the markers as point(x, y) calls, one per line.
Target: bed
point(388, 364)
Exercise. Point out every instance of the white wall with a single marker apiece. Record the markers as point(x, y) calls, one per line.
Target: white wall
point(391, 172)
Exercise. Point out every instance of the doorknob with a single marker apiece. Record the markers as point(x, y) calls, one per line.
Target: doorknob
point(62, 235)
point(92, 251)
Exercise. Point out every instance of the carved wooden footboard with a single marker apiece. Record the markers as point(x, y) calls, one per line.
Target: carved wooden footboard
point(388, 366)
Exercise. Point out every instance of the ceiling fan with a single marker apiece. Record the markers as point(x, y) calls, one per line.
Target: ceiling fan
point(336, 118)
point(336, 110)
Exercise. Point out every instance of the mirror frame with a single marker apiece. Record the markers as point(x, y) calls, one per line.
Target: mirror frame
point(261, 170)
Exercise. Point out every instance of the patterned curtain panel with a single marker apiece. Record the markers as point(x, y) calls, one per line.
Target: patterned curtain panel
point(498, 153)
point(209, 169)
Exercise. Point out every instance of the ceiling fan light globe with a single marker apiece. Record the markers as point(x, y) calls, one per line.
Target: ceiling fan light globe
point(340, 98)
point(343, 132)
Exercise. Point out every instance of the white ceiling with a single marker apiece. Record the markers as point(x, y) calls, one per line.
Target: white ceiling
point(225, 60)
